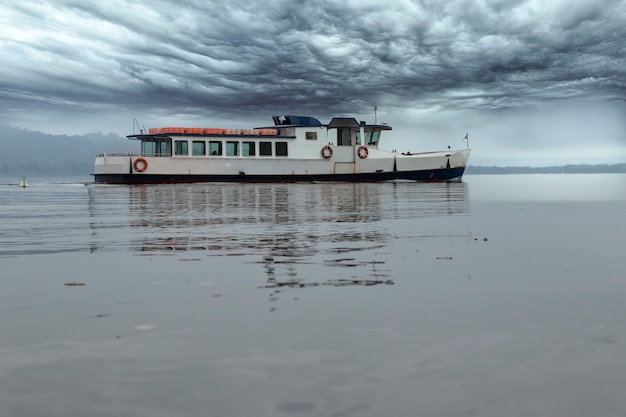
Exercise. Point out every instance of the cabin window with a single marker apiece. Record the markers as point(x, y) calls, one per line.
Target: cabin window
point(265, 148)
point(343, 137)
point(232, 148)
point(373, 137)
point(148, 148)
point(311, 135)
point(181, 147)
point(198, 147)
point(215, 148)
point(247, 149)
point(281, 148)
point(163, 151)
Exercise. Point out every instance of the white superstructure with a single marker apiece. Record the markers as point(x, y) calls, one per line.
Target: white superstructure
point(296, 148)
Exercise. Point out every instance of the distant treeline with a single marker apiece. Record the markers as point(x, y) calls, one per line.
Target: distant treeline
point(565, 169)
point(27, 153)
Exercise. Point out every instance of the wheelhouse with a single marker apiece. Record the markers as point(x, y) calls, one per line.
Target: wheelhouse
point(350, 132)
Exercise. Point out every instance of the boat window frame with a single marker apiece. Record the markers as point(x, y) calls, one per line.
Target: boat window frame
point(235, 150)
point(372, 137)
point(148, 147)
point(279, 152)
point(165, 148)
point(264, 147)
point(344, 136)
point(181, 147)
point(216, 151)
point(202, 144)
point(251, 148)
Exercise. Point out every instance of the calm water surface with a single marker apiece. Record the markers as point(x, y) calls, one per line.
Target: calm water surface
point(498, 296)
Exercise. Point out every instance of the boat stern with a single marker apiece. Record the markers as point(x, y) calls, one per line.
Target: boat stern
point(107, 164)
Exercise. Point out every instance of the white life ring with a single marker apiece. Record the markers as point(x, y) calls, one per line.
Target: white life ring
point(327, 152)
point(362, 152)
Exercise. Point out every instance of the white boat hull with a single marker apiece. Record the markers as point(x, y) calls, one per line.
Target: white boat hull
point(378, 166)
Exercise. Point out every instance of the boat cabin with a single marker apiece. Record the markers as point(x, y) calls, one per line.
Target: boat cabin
point(299, 132)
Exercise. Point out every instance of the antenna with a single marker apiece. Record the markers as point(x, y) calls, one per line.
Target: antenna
point(136, 123)
point(375, 116)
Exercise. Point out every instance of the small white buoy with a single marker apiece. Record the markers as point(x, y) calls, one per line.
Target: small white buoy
point(23, 183)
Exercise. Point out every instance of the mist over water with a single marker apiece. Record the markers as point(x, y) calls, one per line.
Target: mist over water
point(501, 295)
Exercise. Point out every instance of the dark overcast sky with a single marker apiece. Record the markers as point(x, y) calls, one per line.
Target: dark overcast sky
point(535, 82)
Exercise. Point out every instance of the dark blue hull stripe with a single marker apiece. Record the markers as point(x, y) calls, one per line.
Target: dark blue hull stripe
point(444, 174)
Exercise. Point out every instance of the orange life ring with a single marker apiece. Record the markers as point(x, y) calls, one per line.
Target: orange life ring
point(142, 167)
point(327, 152)
point(362, 152)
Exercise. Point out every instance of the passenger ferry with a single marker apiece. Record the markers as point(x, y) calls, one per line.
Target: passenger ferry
point(295, 148)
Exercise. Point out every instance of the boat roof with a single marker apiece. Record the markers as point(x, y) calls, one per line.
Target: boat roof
point(335, 123)
point(350, 122)
point(286, 121)
point(295, 121)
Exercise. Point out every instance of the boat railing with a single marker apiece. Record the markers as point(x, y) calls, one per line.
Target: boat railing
point(104, 155)
point(151, 154)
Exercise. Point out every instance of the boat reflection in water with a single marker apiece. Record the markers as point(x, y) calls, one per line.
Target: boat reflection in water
point(290, 230)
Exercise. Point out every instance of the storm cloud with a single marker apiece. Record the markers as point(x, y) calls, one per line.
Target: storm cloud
point(458, 63)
